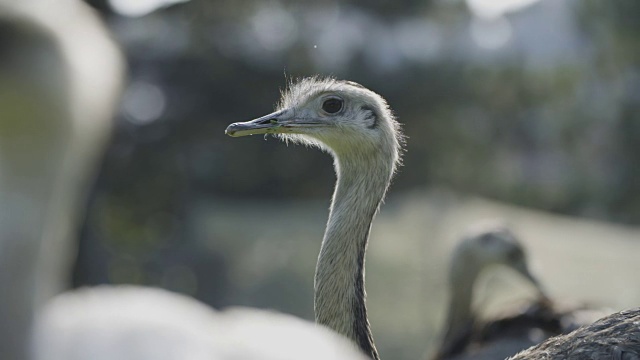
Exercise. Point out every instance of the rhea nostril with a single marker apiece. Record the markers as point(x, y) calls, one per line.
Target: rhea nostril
point(267, 121)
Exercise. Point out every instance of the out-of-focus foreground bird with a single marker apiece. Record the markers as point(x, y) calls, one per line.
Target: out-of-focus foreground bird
point(60, 76)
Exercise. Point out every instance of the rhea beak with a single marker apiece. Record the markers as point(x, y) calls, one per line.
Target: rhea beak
point(279, 122)
point(542, 295)
point(268, 124)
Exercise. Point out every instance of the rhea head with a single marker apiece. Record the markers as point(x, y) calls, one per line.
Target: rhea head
point(342, 117)
point(490, 244)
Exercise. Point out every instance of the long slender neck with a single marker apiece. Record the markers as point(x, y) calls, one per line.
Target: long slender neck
point(460, 318)
point(339, 280)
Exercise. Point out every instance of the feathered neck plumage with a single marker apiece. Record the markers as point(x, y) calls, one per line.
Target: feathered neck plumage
point(339, 281)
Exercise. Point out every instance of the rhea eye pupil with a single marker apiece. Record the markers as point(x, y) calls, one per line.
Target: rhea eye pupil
point(486, 239)
point(514, 255)
point(332, 106)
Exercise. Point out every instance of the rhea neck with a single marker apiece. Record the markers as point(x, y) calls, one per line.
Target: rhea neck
point(362, 180)
point(460, 319)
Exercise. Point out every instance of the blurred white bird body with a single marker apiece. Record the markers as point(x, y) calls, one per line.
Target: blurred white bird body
point(136, 323)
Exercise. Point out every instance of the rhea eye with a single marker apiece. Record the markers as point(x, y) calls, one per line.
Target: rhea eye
point(332, 106)
point(486, 239)
point(515, 255)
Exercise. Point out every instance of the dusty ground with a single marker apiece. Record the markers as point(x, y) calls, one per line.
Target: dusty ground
point(271, 250)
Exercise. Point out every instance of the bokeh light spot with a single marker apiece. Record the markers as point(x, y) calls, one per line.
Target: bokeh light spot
point(143, 102)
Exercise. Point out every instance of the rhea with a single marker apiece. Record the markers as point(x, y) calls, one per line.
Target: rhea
point(466, 335)
point(485, 246)
point(356, 126)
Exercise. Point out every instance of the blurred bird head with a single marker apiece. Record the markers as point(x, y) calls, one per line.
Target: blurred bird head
point(493, 244)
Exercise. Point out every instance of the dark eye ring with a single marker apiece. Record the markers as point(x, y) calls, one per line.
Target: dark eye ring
point(486, 239)
point(332, 105)
point(515, 255)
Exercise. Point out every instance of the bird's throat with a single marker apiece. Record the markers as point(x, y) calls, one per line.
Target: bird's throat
point(339, 281)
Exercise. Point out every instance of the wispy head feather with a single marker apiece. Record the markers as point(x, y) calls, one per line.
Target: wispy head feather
point(366, 123)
